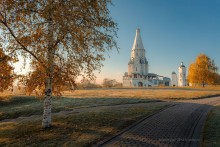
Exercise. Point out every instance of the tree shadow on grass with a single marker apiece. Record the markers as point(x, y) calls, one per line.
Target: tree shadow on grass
point(27, 106)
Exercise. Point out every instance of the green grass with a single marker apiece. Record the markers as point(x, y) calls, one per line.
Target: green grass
point(75, 129)
point(211, 137)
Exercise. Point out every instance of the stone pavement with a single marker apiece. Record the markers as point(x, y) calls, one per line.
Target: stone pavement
point(179, 126)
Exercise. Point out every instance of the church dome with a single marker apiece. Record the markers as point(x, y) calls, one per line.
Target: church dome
point(182, 65)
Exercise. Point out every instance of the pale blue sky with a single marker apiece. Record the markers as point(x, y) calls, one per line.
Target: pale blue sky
point(172, 31)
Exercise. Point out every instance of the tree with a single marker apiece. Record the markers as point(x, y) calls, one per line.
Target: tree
point(63, 78)
point(58, 33)
point(6, 71)
point(87, 83)
point(109, 82)
point(202, 71)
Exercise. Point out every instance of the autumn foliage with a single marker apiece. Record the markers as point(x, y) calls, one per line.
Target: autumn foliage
point(34, 81)
point(203, 71)
point(6, 71)
point(66, 38)
point(58, 34)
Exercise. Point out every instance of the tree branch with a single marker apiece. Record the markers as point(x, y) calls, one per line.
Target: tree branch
point(16, 39)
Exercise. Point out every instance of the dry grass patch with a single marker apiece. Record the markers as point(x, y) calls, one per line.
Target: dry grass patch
point(150, 93)
point(20, 106)
point(211, 137)
point(75, 129)
point(27, 106)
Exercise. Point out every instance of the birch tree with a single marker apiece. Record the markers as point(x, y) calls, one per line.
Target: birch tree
point(62, 34)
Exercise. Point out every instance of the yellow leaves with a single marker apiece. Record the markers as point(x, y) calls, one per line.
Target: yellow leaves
point(202, 71)
point(35, 81)
point(6, 71)
point(78, 31)
point(26, 40)
point(37, 34)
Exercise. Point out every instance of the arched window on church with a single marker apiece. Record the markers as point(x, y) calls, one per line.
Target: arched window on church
point(136, 68)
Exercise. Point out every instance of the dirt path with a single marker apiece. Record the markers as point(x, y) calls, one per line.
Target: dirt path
point(179, 126)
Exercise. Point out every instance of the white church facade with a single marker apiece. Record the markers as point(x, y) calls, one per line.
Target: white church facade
point(179, 80)
point(138, 69)
point(182, 75)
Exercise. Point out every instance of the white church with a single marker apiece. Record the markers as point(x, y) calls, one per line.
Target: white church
point(138, 73)
point(179, 80)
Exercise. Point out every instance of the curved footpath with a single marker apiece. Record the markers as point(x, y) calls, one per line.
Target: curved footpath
point(179, 126)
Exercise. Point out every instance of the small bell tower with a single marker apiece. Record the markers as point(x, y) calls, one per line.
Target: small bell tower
point(182, 75)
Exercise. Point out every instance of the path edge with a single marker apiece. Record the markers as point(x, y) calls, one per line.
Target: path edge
point(102, 142)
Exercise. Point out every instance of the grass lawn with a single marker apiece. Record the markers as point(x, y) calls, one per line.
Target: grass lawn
point(15, 106)
point(27, 106)
point(211, 136)
point(84, 128)
point(149, 93)
point(75, 129)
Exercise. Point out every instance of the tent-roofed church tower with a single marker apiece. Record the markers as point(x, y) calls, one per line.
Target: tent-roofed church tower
point(138, 63)
point(138, 74)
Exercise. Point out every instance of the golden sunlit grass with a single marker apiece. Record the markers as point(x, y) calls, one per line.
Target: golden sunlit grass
point(150, 93)
point(75, 129)
point(211, 137)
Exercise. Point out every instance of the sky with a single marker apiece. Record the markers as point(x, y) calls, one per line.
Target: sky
point(172, 31)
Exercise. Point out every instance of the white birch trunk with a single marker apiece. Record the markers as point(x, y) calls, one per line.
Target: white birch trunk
point(46, 122)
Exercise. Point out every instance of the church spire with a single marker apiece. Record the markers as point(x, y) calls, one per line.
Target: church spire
point(137, 41)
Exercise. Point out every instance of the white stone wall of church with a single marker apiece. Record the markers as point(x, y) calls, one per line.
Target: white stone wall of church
point(142, 69)
point(174, 80)
point(129, 69)
point(136, 67)
point(135, 82)
point(145, 67)
point(182, 76)
point(132, 68)
point(126, 82)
